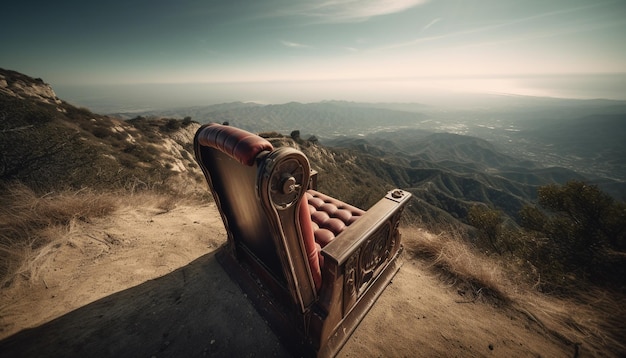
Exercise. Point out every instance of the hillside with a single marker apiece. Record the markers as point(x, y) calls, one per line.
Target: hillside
point(47, 142)
point(324, 119)
point(581, 136)
point(450, 173)
point(103, 217)
point(144, 282)
point(50, 144)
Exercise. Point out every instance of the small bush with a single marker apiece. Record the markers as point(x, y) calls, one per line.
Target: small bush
point(152, 149)
point(101, 132)
point(185, 154)
point(489, 224)
point(583, 227)
point(270, 135)
point(172, 125)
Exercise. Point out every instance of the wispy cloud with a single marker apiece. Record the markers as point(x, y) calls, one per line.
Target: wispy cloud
point(294, 44)
point(430, 24)
point(534, 33)
point(339, 11)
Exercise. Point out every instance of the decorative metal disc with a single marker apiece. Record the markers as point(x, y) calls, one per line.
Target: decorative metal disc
point(286, 183)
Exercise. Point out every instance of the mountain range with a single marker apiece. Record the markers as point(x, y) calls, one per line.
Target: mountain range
point(511, 144)
point(586, 136)
point(449, 158)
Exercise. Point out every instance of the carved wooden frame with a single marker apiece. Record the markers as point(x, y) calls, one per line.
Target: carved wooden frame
point(358, 264)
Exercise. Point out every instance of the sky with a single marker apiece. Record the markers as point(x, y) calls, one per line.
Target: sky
point(278, 51)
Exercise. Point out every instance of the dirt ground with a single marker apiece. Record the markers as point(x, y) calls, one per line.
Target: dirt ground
point(145, 283)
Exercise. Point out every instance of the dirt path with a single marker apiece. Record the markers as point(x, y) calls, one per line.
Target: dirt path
point(146, 284)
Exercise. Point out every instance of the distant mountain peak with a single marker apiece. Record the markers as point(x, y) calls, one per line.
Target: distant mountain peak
point(22, 86)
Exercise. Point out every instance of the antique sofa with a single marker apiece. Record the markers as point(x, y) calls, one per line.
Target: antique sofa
point(312, 265)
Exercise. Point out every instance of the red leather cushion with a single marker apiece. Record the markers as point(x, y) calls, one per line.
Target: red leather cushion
point(239, 144)
point(329, 216)
point(312, 248)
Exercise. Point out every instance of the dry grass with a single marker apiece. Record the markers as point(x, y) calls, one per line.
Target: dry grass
point(179, 192)
point(459, 264)
point(594, 321)
point(32, 225)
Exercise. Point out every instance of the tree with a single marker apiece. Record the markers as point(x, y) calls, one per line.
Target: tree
point(489, 224)
point(582, 225)
point(580, 213)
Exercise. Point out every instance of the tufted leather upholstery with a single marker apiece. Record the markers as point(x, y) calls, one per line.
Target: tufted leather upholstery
point(240, 145)
point(322, 218)
point(329, 216)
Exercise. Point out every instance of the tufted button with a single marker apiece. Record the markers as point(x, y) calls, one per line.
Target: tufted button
point(320, 217)
point(329, 216)
point(343, 215)
point(323, 237)
point(335, 225)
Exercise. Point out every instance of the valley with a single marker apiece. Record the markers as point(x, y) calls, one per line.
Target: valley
point(585, 136)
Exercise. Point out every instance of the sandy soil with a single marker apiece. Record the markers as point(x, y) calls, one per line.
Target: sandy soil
point(144, 283)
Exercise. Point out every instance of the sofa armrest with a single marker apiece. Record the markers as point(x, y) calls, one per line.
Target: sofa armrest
point(341, 249)
point(355, 259)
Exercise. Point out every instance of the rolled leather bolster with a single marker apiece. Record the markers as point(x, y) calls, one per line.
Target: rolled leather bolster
point(239, 144)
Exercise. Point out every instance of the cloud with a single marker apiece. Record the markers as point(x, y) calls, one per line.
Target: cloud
point(340, 11)
point(544, 24)
point(294, 44)
point(430, 24)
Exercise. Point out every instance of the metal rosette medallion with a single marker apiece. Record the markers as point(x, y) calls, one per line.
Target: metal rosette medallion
point(287, 172)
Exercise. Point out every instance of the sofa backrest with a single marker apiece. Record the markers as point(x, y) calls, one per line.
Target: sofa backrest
point(258, 191)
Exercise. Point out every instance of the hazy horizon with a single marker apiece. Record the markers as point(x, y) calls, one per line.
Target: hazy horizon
point(299, 50)
point(154, 96)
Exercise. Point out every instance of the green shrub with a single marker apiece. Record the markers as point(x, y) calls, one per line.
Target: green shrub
point(101, 132)
point(583, 231)
point(489, 224)
point(172, 125)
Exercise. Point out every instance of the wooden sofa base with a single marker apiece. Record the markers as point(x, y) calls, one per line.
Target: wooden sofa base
point(290, 325)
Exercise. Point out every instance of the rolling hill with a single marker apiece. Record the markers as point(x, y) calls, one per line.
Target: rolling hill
point(47, 142)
